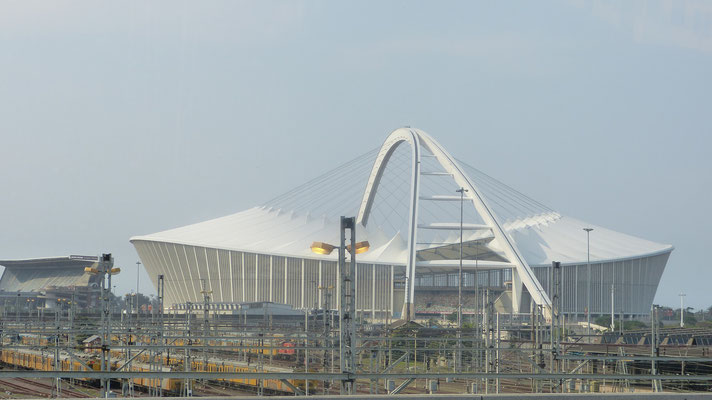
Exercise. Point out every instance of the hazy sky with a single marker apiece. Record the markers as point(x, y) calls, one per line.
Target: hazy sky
point(131, 117)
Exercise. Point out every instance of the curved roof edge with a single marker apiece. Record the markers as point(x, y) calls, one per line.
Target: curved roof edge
point(667, 250)
point(307, 255)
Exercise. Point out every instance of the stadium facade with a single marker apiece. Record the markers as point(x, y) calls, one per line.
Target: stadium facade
point(415, 204)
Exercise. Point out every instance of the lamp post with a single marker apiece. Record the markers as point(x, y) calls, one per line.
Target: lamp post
point(682, 309)
point(613, 308)
point(316, 294)
point(347, 309)
point(138, 274)
point(588, 285)
point(105, 268)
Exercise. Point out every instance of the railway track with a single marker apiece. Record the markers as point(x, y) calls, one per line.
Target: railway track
point(69, 392)
point(34, 388)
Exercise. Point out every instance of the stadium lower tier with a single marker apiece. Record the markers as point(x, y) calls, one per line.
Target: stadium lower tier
point(235, 277)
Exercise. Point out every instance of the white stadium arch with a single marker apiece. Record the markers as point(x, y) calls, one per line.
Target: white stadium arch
point(521, 272)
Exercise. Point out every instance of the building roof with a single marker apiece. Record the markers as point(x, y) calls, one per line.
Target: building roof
point(91, 339)
point(36, 274)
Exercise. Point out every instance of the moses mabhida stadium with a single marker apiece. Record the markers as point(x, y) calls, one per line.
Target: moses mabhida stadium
point(424, 213)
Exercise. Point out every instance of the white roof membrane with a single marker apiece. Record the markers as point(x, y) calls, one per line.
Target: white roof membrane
point(288, 224)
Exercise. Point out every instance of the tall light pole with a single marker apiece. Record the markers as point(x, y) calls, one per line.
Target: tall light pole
point(104, 267)
point(347, 304)
point(588, 286)
point(459, 284)
point(138, 270)
point(613, 308)
point(682, 309)
point(138, 274)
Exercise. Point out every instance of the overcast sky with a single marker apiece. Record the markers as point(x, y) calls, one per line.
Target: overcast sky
point(131, 117)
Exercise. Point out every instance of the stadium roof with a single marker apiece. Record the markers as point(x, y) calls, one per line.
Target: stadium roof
point(35, 274)
point(288, 224)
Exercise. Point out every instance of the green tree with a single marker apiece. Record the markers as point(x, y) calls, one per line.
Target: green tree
point(603, 320)
point(452, 317)
point(690, 318)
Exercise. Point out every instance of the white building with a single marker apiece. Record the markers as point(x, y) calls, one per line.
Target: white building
point(406, 201)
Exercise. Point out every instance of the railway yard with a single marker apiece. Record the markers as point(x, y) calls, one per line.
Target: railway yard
point(203, 354)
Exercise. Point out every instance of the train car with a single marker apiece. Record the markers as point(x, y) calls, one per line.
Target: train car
point(33, 339)
point(276, 385)
point(45, 361)
point(168, 385)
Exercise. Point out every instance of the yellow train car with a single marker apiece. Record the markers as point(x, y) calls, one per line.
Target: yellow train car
point(41, 361)
point(45, 361)
point(220, 365)
point(170, 384)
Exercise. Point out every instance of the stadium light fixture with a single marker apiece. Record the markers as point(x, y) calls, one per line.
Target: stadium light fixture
point(361, 247)
point(326, 248)
point(322, 248)
point(94, 271)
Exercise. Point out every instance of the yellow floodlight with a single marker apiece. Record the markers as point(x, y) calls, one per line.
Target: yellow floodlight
point(91, 270)
point(361, 247)
point(322, 248)
point(115, 271)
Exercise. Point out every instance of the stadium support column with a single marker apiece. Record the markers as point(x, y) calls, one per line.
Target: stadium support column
point(412, 231)
point(517, 290)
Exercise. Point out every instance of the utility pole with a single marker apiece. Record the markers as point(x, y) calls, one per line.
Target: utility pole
point(138, 303)
point(555, 330)
point(654, 349)
point(70, 337)
point(588, 285)
point(58, 381)
point(104, 267)
point(161, 324)
point(306, 350)
point(613, 317)
point(206, 321)
point(458, 361)
point(187, 386)
point(682, 309)
point(348, 305)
